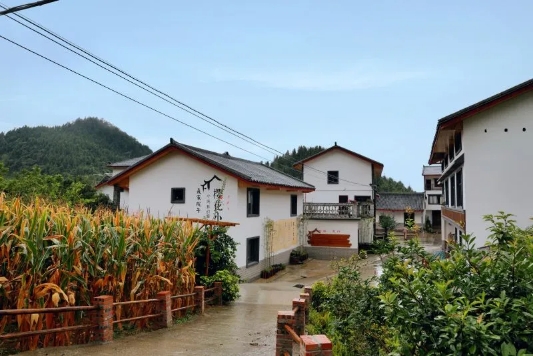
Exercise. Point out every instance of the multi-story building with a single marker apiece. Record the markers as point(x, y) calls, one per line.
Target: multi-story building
point(486, 156)
point(432, 196)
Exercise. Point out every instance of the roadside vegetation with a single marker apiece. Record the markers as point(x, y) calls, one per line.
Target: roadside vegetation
point(476, 302)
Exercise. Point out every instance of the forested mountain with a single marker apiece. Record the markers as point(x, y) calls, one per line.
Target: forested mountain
point(284, 164)
point(79, 148)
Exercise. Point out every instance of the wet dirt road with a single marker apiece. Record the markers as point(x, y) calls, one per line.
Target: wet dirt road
point(245, 328)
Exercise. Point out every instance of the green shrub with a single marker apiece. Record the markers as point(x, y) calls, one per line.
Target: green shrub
point(230, 284)
point(476, 302)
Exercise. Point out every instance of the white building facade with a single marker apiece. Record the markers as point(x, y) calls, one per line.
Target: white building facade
point(185, 181)
point(486, 154)
point(340, 210)
point(433, 197)
point(339, 176)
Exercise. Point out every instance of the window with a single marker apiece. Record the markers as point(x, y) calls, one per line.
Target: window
point(434, 199)
point(177, 195)
point(437, 184)
point(343, 199)
point(452, 190)
point(333, 177)
point(428, 184)
point(294, 205)
point(458, 144)
point(362, 198)
point(451, 153)
point(408, 216)
point(252, 251)
point(446, 199)
point(252, 206)
point(459, 181)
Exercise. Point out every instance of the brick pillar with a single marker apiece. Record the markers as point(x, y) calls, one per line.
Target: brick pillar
point(283, 339)
point(199, 299)
point(104, 318)
point(218, 292)
point(314, 345)
point(299, 316)
point(309, 290)
point(164, 307)
point(307, 305)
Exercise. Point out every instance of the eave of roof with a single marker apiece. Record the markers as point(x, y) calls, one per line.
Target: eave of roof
point(194, 152)
point(459, 116)
point(376, 165)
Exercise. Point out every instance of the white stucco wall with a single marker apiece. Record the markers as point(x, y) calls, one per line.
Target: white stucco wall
point(350, 227)
point(350, 169)
point(107, 190)
point(115, 171)
point(150, 190)
point(499, 165)
point(274, 205)
point(429, 206)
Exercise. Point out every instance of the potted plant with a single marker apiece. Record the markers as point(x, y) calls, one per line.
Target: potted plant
point(267, 273)
point(298, 256)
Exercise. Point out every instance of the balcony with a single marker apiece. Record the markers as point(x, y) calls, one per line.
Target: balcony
point(456, 215)
point(338, 211)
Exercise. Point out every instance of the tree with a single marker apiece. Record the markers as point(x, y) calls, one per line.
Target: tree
point(389, 185)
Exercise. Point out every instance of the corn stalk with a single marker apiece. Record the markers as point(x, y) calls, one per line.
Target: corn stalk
point(53, 256)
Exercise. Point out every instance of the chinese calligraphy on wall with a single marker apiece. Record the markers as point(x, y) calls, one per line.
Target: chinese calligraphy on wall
point(209, 198)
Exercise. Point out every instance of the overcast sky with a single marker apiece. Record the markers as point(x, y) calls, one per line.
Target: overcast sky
point(373, 76)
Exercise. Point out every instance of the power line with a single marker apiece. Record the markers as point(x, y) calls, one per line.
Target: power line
point(151, 108)
point(124, 95)
point(229, 130)
point(25, 6)
point(185, 107)
point(188, 109)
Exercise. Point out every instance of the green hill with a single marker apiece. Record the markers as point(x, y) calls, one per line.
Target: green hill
point(79, 148)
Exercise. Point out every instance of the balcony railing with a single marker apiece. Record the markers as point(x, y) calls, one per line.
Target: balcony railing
point(338, 210)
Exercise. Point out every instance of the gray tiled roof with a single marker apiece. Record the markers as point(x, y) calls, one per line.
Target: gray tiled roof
point(432, 170)
point(399, 201)
point(128, 162)
point(248, 170)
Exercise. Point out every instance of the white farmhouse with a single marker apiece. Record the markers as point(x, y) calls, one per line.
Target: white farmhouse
point(339, 212)
point(402, 207)
point(486, 155)
point(432, 196)
point(185, 181)
point(350, 176)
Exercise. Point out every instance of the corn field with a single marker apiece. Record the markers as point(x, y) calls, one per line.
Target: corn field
point(54, 256)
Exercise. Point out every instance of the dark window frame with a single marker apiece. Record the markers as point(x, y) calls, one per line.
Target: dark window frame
point(459, 189)
point(174, 199)
point(362, 198)
point(294, 204)
point(458, 144)
point(253, 208)
point(438, 197)
point(252, 251)
point(333, 177)
point(446, 191)
point(428, 184)
point(452, 191)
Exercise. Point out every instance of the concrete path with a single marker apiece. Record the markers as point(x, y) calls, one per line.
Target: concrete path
point(245, 328)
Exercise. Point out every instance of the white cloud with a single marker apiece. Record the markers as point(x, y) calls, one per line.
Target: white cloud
point(361, 77)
